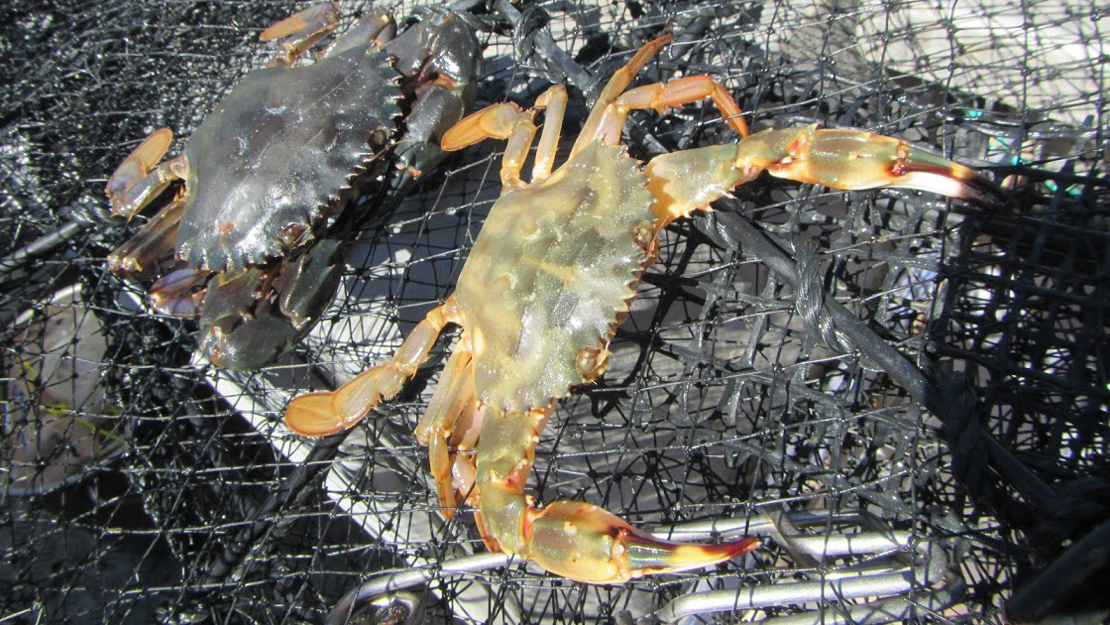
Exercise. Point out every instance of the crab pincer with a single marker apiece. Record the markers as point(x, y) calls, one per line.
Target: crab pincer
point(549, 279)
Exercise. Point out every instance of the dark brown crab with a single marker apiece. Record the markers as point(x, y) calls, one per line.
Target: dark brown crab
point(255, 237)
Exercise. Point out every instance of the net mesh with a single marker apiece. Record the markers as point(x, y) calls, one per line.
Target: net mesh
point(753, 382)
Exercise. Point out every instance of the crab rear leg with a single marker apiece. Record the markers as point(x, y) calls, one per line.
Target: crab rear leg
point(323, 413)
point(454, 396)
point(137, 181)
point(573, 539)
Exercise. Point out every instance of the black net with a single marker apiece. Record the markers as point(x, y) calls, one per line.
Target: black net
point(903, 397)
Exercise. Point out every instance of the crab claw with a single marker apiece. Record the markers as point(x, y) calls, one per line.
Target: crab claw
point(251, 345)
point(924, 171)
point(855, 160)
point(574, 539)
point(587, 543)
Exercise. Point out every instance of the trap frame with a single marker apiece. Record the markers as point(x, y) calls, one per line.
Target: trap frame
point(906, 398)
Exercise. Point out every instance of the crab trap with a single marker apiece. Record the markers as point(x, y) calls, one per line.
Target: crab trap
point(901, 396)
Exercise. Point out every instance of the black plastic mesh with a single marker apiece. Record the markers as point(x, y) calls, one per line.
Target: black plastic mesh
point(754, 378)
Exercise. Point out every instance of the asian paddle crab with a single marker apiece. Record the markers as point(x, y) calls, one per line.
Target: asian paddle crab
point(551, 276)
point(255, 236)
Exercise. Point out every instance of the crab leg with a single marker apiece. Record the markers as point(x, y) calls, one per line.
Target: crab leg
point(139, 178)
point(137, 181)
point(607, 117)
point(659, 96)
point(302, 30)
point(453, 394)
point(615, 87)
point(323, 413)
point(496, 120)
point(554, 101)
point(439, 103)
point(464, 437)
point(376, 26)
point(138, 258)
point(170, 294)
point(507, 121)
point(574, 539)
point(131, 188)
point(501, 121)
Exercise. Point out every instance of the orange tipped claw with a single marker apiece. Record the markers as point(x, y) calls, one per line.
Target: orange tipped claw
point(586, 543)
point(927, 172)
point(855, 160)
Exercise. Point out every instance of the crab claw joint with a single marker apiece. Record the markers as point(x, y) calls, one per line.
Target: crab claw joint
point(586, 543)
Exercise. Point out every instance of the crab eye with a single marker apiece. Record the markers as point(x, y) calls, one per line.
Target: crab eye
point(591, 362)
point(292, 234)
point(380, 136)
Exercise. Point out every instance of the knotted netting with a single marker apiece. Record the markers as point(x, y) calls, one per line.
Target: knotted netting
point(903, 397)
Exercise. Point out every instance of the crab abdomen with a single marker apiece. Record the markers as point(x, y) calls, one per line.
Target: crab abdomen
point(555, 264)
point(277, 154)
